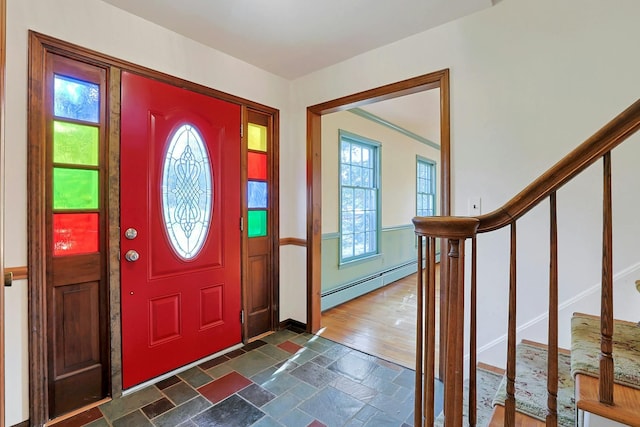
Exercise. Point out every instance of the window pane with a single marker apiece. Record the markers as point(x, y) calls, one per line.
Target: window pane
point(356, 176)
point(345, 152)
point(345, 175)
point(187, 191)
point(256, 166)
point(347, 200)
point(358, 244)
point(356, 154)
point(257, 223)
point(347, 246)
point(359, 199)
point(347, 223)
point(76, 99)
point(75, 189)
point(75, 144)
point(257, 194)
point(257, 138)
point(75, 233)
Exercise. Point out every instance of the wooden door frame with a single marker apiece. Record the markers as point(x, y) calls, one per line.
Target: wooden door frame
point(437, 79)
point(3, 63)
point(39, 46)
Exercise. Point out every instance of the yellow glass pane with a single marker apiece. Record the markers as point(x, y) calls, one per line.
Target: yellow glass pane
point(257, 137)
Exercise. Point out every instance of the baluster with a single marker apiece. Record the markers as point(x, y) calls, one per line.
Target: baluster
point(429, 390)
point(510, 403)
point(454, 352)
point(473, 338)
point(606, 304)
point(552, 359)
point(417, 410)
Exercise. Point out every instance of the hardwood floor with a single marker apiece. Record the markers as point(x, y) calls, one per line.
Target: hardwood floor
point(381, 323)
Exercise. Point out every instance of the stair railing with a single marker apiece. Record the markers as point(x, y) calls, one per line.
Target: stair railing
point(455, 231)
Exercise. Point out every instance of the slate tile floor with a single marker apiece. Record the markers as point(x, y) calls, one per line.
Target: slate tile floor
point(286, 379)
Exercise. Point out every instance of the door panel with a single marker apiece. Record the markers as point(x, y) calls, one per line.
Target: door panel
point(181, 297)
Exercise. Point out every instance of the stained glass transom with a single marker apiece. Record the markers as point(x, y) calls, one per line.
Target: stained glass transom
point(187, 191)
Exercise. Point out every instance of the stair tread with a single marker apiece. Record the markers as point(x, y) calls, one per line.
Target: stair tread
point(522, 420)
point(531, 385)
point(626, 401)
point(585, 349)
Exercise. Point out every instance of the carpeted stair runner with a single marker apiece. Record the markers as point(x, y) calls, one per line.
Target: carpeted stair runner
point(531, 385)
point(585, 349)
point(487, 382)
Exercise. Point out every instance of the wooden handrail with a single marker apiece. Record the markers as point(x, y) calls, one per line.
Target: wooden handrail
point(606, 139)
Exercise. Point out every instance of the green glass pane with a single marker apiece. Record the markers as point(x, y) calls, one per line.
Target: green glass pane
point(75, 189)
point(257, 137)
point(75, 144)
point(257, 223)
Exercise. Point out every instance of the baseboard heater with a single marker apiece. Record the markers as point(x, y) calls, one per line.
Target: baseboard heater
point(351, 290)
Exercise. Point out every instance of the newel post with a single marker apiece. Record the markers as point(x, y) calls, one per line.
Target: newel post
point(455, 231)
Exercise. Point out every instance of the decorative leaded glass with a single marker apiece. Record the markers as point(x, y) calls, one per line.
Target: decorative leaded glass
point(76, 99)
point(187, 191)
point(75, 144)
point(257, 137)
point(257, 194)
point(257, 226)
point(75, 233)
point(257, 165)
point(75, 188)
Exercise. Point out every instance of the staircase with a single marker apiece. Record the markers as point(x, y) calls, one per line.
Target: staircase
point(605, 354)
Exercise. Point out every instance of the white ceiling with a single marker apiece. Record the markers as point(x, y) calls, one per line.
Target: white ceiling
point(292, 38)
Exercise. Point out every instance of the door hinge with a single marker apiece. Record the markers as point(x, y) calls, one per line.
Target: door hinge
point(241, 223)
point(242, 317)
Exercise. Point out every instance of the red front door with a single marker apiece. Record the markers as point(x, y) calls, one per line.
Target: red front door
point(180, 227)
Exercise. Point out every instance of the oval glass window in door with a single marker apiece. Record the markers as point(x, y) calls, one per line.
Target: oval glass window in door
point(187, 191)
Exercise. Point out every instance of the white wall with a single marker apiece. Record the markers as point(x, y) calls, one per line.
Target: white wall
point(529, 82)
point(101, 27)
point(398, 168)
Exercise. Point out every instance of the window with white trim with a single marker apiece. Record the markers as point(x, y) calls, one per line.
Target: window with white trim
point(359, 197)
point(425, 187)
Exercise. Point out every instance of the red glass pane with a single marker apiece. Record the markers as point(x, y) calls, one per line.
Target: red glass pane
point(75, 233)
point(257, 166)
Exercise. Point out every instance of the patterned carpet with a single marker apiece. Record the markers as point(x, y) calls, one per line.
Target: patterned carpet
point(531, 385)
point(585, 349)
point(488, 383)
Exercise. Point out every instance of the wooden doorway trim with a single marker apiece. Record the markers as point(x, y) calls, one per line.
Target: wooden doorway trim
point(3, 63)
point(438, 79)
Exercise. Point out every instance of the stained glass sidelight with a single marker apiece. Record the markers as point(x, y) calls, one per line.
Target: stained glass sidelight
point(257, 226)
point(76, 99)
point(75, 188)
point(257, 166)
point(75, 233)
point(257, 137)
point(75, 144)
point(257, 194)
point(187, 191)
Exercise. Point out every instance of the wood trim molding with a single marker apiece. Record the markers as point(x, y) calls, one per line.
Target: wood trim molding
point(438, 79)
point(293, 241)
point(19, 273)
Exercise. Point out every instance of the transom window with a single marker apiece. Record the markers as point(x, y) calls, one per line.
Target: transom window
point(359, 197)
point(425, 187)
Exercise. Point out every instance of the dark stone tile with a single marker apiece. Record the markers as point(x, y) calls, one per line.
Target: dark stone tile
point(251, 363)
point(316, 423)
point(383, 420)
point(353, 367)
point(195, 377)
point(381, 385)
point(304, 355)
point(180, 393)
point(407, 378)
point(296, 418)
point(392, 407)
point(337, 351)
point(322, 360)
point(100, 422)
point(281, 405)
point(213, 362)
point(168, 382)
point(354, 389)
point(313, 374)
point(290, 347)
point(365, 413)
point(158, 407)
point(275, 352)
point(231, 412)
point(332, 407)
point(134, 419)
point(385, 372)
point(235, 353)
point(253, 345)
point(122, 406)
point(81, 419)
point(188, 423)
point(256, 395)
point(279, 337)
point(267, 421)
point(182, 413)
point(277, 382)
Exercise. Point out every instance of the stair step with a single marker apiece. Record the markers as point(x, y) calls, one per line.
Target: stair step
point(531, 387)
point(626, 408)
point(522, 420)
point(585, 349)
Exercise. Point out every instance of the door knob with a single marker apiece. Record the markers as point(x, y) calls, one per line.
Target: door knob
point(132, 255)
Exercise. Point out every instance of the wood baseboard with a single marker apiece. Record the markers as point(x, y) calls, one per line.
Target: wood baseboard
point(294, 325)
point(22, 424)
